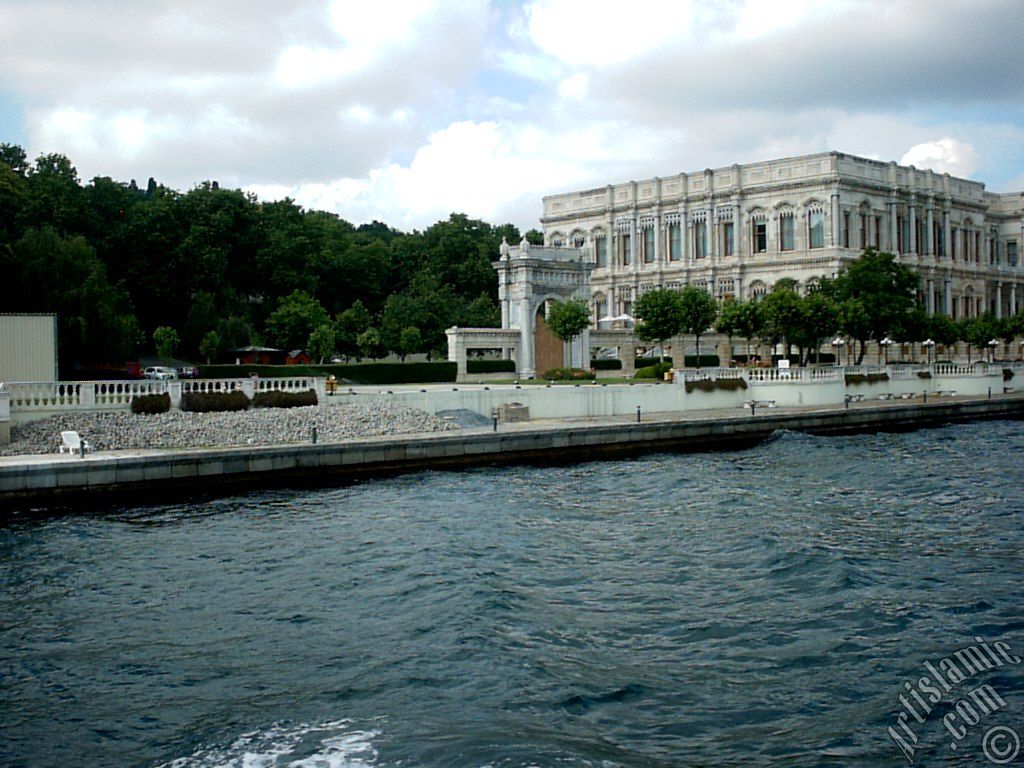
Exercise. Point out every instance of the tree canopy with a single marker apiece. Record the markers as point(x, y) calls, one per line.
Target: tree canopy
point(661, 315)
point(116, 262)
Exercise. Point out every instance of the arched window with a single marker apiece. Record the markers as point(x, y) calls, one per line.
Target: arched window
point(815, 228)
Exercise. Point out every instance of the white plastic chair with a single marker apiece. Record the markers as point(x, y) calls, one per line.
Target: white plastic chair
point(72, 442)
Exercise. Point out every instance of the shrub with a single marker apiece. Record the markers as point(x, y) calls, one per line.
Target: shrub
point(210, 402)
point(275, 398)
point(150, 404)
point(364, 373)
point(647, 362)
point(613, 364)
point(924, 374)
point(569, 374)
point(706, 361)
point(491, 366)
point(653, 371)
point(866, 378)
point(710, 385)
point(1007, 374)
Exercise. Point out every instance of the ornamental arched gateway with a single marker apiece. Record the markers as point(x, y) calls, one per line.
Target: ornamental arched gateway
point(530, 276)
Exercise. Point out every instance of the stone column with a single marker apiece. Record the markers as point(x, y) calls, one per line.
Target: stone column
point(893, 222)
point(657, 238)
point(930, 234)
point(527, 359)
point(457, 351)
point(737, 234)
point(1013, 299)
point(999, 300)
point(947, 297)
point(627, 354)
point(947, 235)
point(912, 229)
point(834, 230)
point(712, 231)
point(634, 252)
point(930, 297)
point(5, 415)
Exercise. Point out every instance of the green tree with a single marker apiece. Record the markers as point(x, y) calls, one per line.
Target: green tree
point(209, 346)
point(749, 322)
point(855, 322)
point(166, 341)
point(1011, 327)
point(783, 316)
point(819, 319)
point(885, 288)
point(942, 329)
point(370, 344)
point(321, 343)
point(44, 272)
point(296, 317)
point(699, 311)
point(977, 332)
point(410, 341)
point(350, 325)
point(660, 312)
point(568, 319)
point(14, 157)
point(533, 237)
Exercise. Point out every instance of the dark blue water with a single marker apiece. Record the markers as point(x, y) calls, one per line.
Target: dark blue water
point(755, 607)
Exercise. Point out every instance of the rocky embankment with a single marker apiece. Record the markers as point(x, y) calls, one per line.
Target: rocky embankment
point(264, 426)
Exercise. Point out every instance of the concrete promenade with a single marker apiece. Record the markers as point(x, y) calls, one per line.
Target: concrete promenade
point(153, 475)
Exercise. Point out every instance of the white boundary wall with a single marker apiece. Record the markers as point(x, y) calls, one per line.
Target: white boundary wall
point(26, 401)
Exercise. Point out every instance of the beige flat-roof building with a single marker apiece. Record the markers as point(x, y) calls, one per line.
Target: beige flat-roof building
point(28, 348)
point(740, 229)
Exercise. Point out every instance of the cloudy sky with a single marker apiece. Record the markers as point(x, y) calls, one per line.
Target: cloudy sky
point(406, 110)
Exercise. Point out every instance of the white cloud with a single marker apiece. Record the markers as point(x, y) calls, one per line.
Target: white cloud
point(575, 88)
point(485, 169)
point(761, 18)
point(405, 110)
point(602, 34)
point(957, 158)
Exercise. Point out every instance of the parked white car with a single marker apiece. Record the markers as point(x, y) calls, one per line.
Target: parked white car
point(160, 373)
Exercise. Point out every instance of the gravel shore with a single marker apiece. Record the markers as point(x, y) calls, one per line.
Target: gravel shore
point(264, 426)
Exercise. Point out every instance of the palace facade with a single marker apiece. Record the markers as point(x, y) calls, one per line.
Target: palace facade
point(738, 230)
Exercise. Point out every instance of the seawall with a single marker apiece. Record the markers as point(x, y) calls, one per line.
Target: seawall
point(143, 476)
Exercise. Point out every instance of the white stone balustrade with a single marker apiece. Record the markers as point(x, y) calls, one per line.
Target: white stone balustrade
point(36, 400)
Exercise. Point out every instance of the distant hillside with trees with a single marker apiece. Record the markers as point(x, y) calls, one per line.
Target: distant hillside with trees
point(221, 269)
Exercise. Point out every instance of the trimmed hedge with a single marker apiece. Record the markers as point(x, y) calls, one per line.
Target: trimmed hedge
point(211, 402)
point(706, 361)
point(358, 373)
point(710, 385)
point(924, 374)
point(569, 374)
point(490, 366)
point(606, 364)
point(647, 362)
point(866, 378)
point(151, 404)
point(1007, 374)
point(275, 398)
point(689, 361)
point(657, 371)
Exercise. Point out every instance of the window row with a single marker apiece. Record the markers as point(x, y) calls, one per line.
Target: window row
point(700, 243)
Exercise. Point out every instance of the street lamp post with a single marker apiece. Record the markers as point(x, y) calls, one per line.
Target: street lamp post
point(837, 345)
point(992, 344)
point(928, 344)
point(885, 344)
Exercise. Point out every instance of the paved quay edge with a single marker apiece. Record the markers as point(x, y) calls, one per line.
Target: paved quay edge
point(39, 481)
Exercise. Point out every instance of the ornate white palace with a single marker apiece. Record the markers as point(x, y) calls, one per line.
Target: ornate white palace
point(738, 230)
